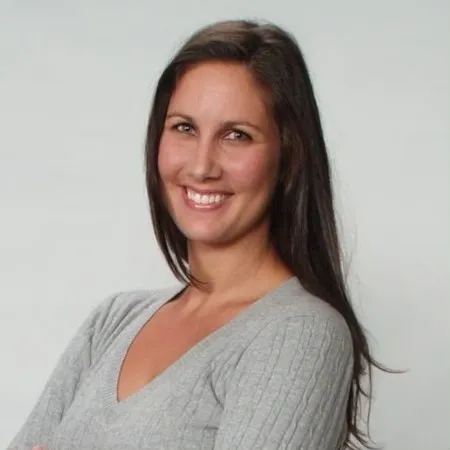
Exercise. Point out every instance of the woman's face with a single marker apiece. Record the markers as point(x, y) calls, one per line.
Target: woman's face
point(218, 155)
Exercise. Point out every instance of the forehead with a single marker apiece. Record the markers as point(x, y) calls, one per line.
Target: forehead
point(214, 88)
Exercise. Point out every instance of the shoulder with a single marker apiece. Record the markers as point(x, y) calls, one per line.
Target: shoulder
point(115, 312)
point(297, 321)
point(119, 305)
point(289, 329)
point(291, 302)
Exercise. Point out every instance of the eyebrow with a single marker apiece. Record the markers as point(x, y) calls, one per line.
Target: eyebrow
point(226, 124)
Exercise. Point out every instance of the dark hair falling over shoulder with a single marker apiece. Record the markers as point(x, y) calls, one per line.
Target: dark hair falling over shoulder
point(302, 216)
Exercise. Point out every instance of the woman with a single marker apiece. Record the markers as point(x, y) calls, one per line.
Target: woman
point(260, 347)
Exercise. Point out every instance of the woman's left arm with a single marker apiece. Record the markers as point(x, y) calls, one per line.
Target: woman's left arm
point(290, 387)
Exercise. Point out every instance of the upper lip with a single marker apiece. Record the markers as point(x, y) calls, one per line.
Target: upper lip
point(204, 191)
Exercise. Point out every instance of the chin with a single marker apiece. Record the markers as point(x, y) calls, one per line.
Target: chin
point(208, 234)
point(207, 238)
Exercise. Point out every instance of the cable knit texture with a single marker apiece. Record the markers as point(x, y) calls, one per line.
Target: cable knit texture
point(277, 376)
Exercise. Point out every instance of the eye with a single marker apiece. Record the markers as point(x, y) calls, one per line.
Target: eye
point(238, 135)
point(184, 127)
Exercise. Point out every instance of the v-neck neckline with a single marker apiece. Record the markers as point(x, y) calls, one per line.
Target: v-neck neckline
point(158, 380)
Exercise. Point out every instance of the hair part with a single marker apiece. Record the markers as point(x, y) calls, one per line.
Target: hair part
point(302, 215)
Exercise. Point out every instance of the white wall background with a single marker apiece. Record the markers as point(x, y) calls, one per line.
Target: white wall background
point(76, 80)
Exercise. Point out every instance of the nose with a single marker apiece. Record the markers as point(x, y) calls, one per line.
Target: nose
point(203, 161)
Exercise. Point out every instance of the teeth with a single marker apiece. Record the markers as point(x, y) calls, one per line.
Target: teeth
point(204, 199)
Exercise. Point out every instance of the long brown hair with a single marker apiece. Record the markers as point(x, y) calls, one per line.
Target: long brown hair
point(302, 215)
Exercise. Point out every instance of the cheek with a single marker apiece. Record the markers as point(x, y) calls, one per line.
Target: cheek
point(255, 173)
point(170, 159)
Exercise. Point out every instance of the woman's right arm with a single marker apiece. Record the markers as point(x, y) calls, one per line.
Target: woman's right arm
point(61, 387)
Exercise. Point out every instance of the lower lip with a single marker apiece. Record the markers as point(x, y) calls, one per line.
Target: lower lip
point(203, 207)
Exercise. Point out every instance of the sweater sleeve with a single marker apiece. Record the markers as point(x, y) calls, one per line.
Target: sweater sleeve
point(61, 387)
point(290, 387)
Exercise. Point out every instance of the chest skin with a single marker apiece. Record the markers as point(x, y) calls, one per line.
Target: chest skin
point(165, 337)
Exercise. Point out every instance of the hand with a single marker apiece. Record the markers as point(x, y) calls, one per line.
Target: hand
point(38, 447)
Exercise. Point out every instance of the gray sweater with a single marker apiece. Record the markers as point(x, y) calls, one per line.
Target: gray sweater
point(277, 376)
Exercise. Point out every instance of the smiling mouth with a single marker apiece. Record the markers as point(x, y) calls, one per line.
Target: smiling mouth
point(201, 200)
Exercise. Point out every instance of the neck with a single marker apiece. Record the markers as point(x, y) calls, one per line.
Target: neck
point(245, 269)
